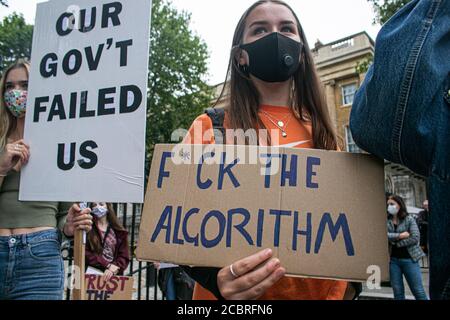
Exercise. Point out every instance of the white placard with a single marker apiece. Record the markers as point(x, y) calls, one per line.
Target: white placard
point(86, 113)
point(91, 270)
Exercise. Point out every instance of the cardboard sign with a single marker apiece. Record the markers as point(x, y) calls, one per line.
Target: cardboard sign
point(323, 213)
point(86, 113)
point(117, 288)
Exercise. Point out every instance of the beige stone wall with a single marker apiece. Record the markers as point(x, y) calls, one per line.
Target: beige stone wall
point(334, 78)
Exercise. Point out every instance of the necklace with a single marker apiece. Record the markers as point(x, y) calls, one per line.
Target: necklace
point(279, 123)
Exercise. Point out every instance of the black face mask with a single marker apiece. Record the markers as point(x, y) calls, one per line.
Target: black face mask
point(274, 58)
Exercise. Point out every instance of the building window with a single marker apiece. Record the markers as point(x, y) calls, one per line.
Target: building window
point(351, 145)
point(348, 94)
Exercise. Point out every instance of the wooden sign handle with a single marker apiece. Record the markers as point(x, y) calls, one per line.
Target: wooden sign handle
point(79, 262)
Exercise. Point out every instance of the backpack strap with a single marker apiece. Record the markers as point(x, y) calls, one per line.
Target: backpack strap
point(217, 116)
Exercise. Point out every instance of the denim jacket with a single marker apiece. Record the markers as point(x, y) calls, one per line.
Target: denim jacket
point(402, 112)
point(412, 243)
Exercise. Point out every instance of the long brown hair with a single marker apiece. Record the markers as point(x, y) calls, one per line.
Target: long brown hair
point(7, 121)
point(403, 213)
point(307, 96)
point(94, 238)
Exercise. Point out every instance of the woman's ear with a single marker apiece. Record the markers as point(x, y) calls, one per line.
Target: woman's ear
point(241, 57)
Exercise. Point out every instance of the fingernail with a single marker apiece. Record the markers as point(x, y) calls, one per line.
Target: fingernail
point(274, 264)
point(268, 252)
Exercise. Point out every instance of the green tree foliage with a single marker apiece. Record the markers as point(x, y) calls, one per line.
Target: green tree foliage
point(178, 92)
point(364, 65)
point(15, 40)
point(385, 9)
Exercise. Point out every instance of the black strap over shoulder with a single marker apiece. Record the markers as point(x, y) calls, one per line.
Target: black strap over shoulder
point(217, 116)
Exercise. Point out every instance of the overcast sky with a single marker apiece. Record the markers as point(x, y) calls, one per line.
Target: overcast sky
point(215, 21)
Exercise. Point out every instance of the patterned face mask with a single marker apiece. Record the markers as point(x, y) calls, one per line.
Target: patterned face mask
point(16, 102)
point(100, 211)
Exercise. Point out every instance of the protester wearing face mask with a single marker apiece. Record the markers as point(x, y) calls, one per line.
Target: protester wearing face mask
point(272, 85)
point(31, 266)
point(107, 247)
point(405, 252)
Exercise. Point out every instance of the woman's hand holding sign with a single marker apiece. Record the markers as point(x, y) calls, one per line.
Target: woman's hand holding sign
point(14, 153)
point(110, 272)
point(77, 219)
point(251, 277)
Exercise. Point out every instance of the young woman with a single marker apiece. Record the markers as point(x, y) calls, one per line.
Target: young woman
point(31, 265)
point(273, 86)
point(404, 243)
point(107, 248)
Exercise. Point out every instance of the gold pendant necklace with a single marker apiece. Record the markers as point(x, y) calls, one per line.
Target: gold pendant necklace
point(279, 123)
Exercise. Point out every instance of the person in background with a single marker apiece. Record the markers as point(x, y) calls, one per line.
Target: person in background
point(422, 221)
point(31, 265)
point(405, 251)
point(107, 246)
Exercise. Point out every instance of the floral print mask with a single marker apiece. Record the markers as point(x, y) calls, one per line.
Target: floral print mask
point(16, 102)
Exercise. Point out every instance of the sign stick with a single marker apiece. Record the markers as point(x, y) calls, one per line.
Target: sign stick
point(79, 261)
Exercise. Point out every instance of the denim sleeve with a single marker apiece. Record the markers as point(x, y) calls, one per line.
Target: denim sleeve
point(398, 102)
point(206, 277)
point(414, 235)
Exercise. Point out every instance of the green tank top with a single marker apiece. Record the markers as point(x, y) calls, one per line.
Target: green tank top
point(16, 214)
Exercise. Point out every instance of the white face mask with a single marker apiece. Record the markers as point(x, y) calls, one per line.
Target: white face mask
point(392, 210)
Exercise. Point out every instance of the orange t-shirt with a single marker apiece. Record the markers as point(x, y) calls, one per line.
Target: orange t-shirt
point(299, 135)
